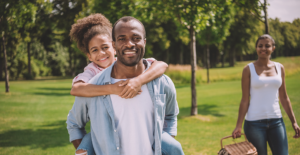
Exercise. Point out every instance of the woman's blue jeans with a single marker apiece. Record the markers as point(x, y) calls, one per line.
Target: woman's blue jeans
point(267, 130)
point(169, 145)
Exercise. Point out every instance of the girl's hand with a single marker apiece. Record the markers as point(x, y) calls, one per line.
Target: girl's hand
point(116, 87)
point(237, 132)
point(131, 89)
point(297, 130)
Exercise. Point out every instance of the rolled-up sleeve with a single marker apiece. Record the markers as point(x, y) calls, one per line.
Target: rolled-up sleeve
point(172, 110)
point(77, 118)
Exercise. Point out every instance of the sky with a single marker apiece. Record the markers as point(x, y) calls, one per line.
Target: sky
point(285, 10)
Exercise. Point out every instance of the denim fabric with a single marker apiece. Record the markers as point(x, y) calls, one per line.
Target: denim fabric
point(267, 130)
point(86, 144)
point(99, 111)
point(170, 146)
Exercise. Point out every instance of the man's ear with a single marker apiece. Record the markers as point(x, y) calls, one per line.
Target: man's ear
point(145, 41)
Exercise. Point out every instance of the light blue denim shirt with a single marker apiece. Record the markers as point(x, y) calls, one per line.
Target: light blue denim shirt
point(100, 112)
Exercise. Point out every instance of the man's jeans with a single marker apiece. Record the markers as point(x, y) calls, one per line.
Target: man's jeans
point(267, 130)
point(169, 145)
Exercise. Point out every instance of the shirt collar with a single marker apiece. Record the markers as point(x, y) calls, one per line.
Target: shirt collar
point(107, 76)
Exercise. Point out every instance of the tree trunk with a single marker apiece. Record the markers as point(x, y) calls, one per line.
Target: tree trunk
point(29, 59)
point(5, 65)
point(181, 54)
point(167, 56)
point(266, 16)
point(1, 62)
point(194, 110)
point(223, 58)
point(207, 62)
point(232, 58)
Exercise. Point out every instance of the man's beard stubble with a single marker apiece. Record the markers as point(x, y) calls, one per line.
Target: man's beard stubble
point(140, 55)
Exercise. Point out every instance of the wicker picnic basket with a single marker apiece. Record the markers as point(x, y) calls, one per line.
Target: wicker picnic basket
point(241, 148)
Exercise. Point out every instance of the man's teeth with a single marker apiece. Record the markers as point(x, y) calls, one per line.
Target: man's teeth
point(129, 52)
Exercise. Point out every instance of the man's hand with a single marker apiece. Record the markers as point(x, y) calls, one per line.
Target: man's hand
point(132, 87)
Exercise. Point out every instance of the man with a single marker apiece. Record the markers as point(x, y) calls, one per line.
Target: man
point(128, 126)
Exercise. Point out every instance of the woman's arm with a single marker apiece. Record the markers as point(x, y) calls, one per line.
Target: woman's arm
point(244, 105)
point(286, 104)
point(133, 86)
point(83, 89)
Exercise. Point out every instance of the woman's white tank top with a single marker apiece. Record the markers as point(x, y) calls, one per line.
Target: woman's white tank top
point(264, 102)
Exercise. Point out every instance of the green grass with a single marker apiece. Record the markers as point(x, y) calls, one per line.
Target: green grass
point(33, 115)
point(291, 64)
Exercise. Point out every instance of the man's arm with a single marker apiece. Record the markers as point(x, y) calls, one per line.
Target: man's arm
point(77, 119)
point(172, 110)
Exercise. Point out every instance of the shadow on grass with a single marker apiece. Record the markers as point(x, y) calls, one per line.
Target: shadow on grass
point(203, 109)
point(48, 91)
point(55, 89)
point(52, 94)
point(46, 136)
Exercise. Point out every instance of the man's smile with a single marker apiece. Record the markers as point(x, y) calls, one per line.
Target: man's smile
point(129, 52)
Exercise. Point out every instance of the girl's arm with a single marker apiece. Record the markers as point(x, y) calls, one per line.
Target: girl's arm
point(286, 104)
point(126, 89)
point(83, 89)
point(133, 86)
point(244, 105)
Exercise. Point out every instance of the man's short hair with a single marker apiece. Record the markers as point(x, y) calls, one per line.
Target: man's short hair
point(126, 19)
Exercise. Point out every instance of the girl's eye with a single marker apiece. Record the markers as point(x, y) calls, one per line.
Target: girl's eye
point(94, 51)
point(105, 48)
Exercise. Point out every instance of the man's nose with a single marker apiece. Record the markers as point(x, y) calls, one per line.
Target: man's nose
point(130, 44)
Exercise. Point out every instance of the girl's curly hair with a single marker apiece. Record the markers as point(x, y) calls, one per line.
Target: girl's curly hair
point(86, 28)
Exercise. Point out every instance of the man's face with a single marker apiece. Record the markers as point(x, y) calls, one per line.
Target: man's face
point(130, 42)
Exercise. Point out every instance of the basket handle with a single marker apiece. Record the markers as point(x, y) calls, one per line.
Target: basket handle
point(230, 137)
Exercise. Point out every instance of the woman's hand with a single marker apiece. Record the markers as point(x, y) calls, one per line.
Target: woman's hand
point(237, 132)
point(297, 130)
point(132, 87)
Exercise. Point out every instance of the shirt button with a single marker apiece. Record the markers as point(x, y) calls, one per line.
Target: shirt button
point(117, 148)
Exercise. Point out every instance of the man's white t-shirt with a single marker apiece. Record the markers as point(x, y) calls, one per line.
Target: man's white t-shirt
point(134, 121)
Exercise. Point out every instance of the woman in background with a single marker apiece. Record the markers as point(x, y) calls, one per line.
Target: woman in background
point(263, 81)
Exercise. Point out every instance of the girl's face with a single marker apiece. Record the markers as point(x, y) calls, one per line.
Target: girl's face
point(264, 48)
point(101, 51)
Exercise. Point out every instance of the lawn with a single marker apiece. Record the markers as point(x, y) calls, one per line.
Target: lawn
point(33, 115)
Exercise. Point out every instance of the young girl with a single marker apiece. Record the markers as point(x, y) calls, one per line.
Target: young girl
point(264, 81)
point(93, 35)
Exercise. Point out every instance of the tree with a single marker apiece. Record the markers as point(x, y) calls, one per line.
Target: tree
point(10, 26)
point(5, 64)
point(256, 7)
point(217, 27)
point(243, 32)
point(192, 15)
